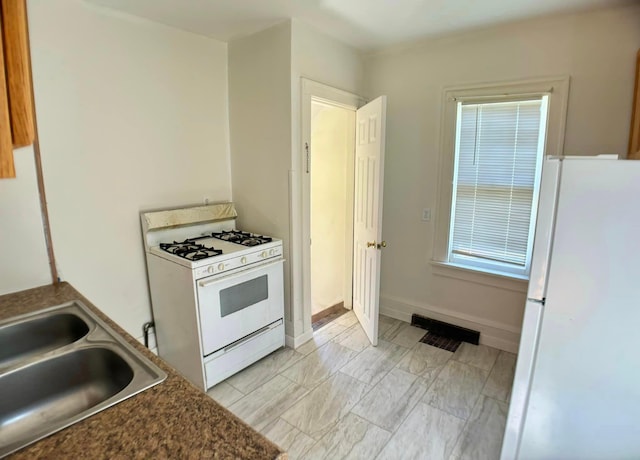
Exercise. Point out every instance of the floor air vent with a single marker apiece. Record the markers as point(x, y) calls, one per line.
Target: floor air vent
point(444, 335)
point(440, 342)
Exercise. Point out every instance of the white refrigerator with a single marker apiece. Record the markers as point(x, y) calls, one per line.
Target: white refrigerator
point(576, 391)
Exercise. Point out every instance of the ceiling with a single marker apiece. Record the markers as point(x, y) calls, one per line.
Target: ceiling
point(365, 24)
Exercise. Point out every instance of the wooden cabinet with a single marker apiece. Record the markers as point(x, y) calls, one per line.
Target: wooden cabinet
point(16, 50)
point(17, 125)
point(6, 148)
point(634, 133)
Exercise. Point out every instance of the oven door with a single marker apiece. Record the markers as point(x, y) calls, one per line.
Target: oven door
point(236, 305)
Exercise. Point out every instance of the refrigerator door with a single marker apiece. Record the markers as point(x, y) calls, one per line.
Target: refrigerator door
point(549, 185)
point(584, 397)
point(522, 379)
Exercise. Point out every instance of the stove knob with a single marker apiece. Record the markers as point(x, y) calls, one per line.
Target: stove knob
point(210, 269)
point(243, 260)
point(271, 252)
point(264, 254)
point(220, 266)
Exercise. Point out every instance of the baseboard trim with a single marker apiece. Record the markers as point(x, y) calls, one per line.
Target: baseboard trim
point(495, 335)
point(295, 342)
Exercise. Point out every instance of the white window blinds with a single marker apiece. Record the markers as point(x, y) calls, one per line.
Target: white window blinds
point(499, 147)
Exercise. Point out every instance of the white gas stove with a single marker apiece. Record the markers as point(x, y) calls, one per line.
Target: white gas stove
point(217, 293)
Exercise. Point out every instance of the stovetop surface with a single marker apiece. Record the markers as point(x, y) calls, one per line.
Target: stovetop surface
point(190, 250)
point(207, 249)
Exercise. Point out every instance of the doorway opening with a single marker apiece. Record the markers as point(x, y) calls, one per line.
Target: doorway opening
point(361, 206)
point(328, 106)
point(332, 143)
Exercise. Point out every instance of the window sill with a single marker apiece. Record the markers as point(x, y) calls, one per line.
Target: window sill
point(507, 281)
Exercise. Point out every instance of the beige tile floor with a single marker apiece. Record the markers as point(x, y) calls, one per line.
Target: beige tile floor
point(337, 397)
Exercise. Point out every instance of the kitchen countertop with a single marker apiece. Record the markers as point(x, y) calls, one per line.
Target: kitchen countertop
point(173, 419)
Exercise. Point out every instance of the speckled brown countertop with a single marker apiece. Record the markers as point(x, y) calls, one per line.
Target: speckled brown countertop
point(174, 419)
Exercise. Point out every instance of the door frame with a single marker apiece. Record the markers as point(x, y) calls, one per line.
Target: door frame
point(312, 90)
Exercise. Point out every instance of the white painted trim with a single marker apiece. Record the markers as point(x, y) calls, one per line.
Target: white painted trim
point(294, 316)
point(300, 197)
point(500, 344)
point(492, 333)
point(332, 95)
point(397, 301)
point(498, 280)
point(557, 87)
point(295, 342)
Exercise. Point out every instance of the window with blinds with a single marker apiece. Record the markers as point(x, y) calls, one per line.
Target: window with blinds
point(498, 160)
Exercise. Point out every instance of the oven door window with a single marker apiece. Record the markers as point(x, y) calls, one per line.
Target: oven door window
point(243, 295)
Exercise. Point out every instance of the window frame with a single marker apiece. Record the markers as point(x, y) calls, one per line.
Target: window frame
point(557, 90)
point(490, 265)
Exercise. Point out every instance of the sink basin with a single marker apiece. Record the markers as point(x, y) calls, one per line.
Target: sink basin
point(39, 335)
point(58, 388)
point(59, 366)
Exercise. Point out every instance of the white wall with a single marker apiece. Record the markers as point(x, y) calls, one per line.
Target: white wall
point(596, 49)
point(331, 128)
point(260, 116)
point(24, 262)
point(132, 115)
point(322, 58)
point(265, 71)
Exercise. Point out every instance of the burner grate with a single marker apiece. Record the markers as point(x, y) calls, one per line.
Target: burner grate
point(244, 238)
point(190, 250)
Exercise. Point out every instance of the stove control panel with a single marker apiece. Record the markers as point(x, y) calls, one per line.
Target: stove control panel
point(259, 255)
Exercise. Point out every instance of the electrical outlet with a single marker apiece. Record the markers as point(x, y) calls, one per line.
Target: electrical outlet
point(426, 214)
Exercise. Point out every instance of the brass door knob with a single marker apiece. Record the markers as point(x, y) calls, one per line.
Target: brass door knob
point(382, 245)
point(371, 244)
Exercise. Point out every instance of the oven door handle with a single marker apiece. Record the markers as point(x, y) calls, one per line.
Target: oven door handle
point(216, 278)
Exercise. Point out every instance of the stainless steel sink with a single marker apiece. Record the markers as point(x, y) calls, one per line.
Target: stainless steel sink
point(35, 336)
point(59, 366)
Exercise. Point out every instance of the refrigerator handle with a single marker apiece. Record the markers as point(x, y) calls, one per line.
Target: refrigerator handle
point(547, 204)
point(538, 301)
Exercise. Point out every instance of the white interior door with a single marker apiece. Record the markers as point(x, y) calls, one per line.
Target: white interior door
point(367, 235)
